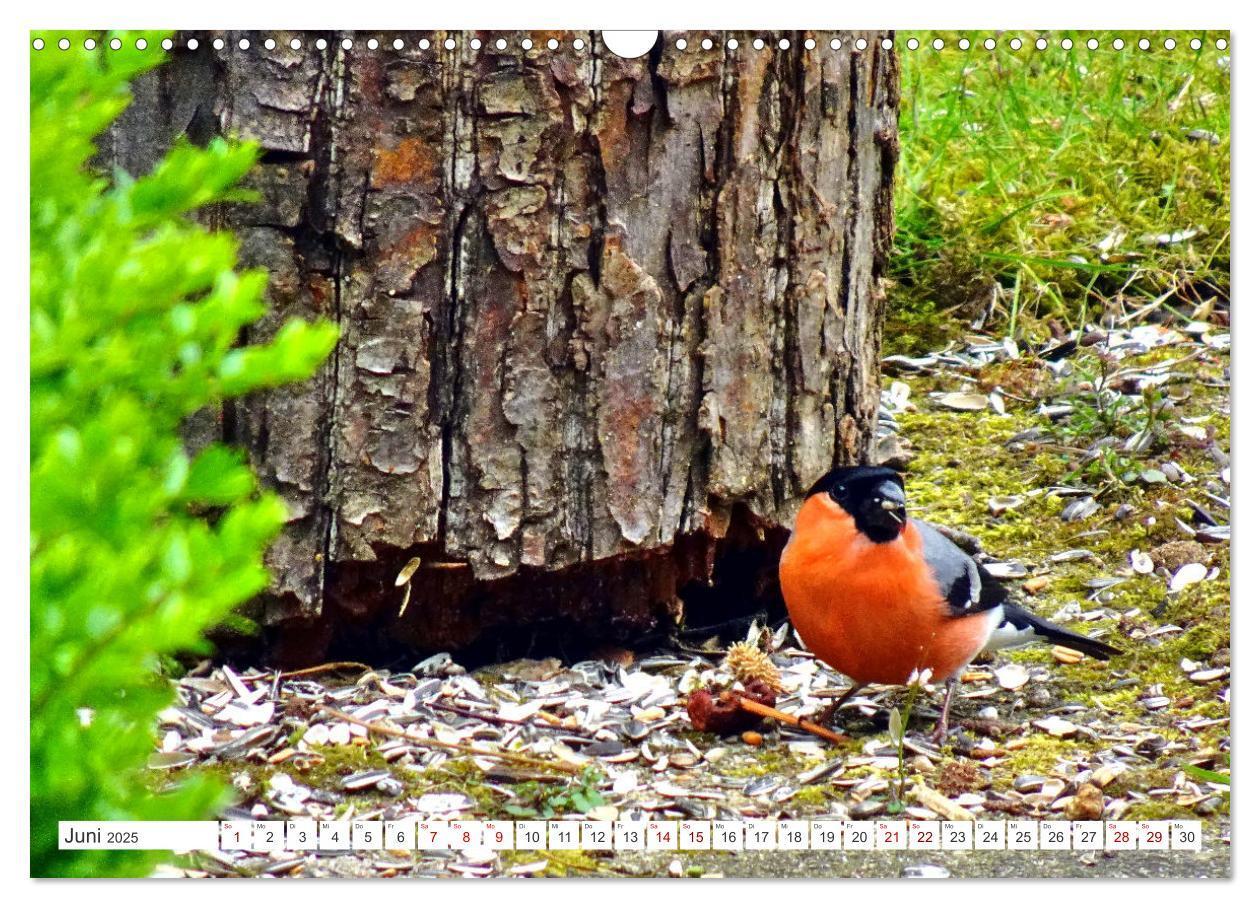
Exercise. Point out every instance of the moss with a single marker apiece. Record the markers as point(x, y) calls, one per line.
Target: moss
point(463, 776)
point(1026, 377)
point(1140, 778)
point(915, 326)
point(1204, 609)
point(955, 472)
point(762, 761)
point(1159, 809)
point(559, 863)
point(703, 740)
point(813, 796)
point(227, 772)
point(1040, 754)
point(339, 761)
point(775, 759)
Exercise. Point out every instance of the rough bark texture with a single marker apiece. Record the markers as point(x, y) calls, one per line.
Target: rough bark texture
point(591, 308)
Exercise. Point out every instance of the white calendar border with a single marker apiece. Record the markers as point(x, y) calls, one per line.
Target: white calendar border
point(657, 836)
point(1065, 14)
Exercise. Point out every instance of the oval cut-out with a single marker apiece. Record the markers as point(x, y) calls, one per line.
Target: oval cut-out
point(630, 44)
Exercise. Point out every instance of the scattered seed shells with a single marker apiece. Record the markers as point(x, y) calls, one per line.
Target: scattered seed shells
point(1012, 676)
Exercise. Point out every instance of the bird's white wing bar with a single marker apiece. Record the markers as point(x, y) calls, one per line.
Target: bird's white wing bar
point(1007, 635)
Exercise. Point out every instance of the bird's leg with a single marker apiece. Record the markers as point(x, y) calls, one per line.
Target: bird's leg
point(828, 715)
point(942, 724)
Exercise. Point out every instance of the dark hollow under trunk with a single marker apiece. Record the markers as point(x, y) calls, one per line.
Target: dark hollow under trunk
point(603, 320)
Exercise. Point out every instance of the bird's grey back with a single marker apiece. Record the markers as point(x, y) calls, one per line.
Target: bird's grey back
point(956, 572)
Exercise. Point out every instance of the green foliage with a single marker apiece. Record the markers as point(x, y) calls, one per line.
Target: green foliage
point(1136, 424)
point(577, 796)
point(136, 547)
point(1206, 775)
point(1049, 182)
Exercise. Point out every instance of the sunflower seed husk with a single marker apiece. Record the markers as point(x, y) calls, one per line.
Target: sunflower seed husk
point(173, 760)
point(1066, 655)
point(1186, 575)
point(1007, 570)
point(763, 785)
point(1079, 509)
point(360, 780)
point(408, 569)
point(1012, 676)
point(1207, 676)
point(1000, 504)
point(958, 400)
point(1056, 727)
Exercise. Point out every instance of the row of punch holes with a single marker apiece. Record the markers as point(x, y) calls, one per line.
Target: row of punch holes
point(938, 44)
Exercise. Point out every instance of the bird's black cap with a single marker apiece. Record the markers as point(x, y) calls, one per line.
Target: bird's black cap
point(854, 476)
point(874, 496)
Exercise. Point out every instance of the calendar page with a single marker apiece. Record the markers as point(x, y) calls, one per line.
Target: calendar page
point(675, 454)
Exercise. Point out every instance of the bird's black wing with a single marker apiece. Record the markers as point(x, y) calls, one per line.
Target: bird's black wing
point(966, 586)
point(1020, 626)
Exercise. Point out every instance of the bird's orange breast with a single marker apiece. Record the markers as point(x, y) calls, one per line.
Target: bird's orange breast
point(873, 611)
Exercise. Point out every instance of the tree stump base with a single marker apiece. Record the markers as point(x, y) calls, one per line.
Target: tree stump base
point(596, 313)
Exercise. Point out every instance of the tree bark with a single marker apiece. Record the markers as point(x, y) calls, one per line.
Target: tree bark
point(600, 317)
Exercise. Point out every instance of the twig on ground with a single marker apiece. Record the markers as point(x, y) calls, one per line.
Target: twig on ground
point(502, 720)
point(392, 731)
point(313, 670)
point(770, 712)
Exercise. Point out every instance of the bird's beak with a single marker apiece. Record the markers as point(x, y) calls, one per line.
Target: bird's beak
point(892, 500)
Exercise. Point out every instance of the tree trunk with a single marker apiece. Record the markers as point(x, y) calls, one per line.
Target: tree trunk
point(603, 320)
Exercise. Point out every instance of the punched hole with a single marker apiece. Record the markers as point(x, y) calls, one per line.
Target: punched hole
point(630, 44)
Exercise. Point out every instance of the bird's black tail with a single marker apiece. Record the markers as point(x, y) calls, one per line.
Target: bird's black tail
point(1042, 628)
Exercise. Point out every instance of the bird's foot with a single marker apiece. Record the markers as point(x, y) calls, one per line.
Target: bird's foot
point(826, 717)
point(942, 724)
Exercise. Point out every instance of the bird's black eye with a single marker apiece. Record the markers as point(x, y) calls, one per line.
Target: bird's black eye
point(837, 492)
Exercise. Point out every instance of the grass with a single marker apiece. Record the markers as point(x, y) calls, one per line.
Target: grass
point(1039, 183)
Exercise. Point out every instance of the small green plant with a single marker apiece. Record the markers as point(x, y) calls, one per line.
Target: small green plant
point(1206, 775)
point(1138, 423)
point(136, 545)
point(898, 722)
point(545, 801)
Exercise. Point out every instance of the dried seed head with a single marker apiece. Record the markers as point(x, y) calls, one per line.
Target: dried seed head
point(747, 663)
point(1173, 555)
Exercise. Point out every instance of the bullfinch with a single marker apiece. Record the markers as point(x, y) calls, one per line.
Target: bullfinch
point(880, 597)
